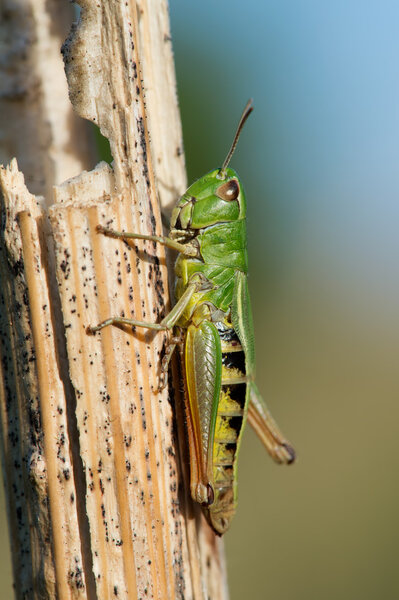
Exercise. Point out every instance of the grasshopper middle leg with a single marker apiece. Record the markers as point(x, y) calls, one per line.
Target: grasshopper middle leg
point(166, 324)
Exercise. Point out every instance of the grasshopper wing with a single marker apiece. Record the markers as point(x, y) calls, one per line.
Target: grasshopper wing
point(203, 370)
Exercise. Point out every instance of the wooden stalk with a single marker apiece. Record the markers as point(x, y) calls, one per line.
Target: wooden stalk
point(95, 458)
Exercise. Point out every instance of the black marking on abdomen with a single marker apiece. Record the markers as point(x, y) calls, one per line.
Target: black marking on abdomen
point(230, 417)
point(238, 393)
point(234, 360)
point(227, 334)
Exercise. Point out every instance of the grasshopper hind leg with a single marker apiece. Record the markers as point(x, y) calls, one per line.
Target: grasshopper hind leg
point(267, 429)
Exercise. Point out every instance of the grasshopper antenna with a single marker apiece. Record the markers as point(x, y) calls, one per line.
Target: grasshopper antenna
point(245, 114)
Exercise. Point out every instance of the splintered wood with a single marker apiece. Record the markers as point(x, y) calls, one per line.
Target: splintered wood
point(95, 456)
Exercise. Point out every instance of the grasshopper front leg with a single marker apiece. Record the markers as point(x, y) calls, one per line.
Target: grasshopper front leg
point(186, 249)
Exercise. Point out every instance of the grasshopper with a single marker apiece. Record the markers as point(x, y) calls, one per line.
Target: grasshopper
point(212, 325)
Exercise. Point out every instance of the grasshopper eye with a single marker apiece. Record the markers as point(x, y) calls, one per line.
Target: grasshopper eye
point(229, 190)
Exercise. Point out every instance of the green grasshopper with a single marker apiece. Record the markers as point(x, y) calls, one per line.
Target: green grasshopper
point(213, 322)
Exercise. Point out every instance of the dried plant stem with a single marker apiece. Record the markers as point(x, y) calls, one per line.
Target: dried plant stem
point(95, 467)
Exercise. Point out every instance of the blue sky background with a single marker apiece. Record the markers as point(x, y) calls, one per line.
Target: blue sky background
point(319, 161)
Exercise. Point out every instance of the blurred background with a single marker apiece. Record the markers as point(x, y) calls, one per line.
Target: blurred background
point(319, 161)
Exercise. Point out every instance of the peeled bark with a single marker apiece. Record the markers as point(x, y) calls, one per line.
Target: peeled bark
point(94, 456)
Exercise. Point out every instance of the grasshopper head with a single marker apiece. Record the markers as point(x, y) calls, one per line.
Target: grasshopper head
point(217, 197)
